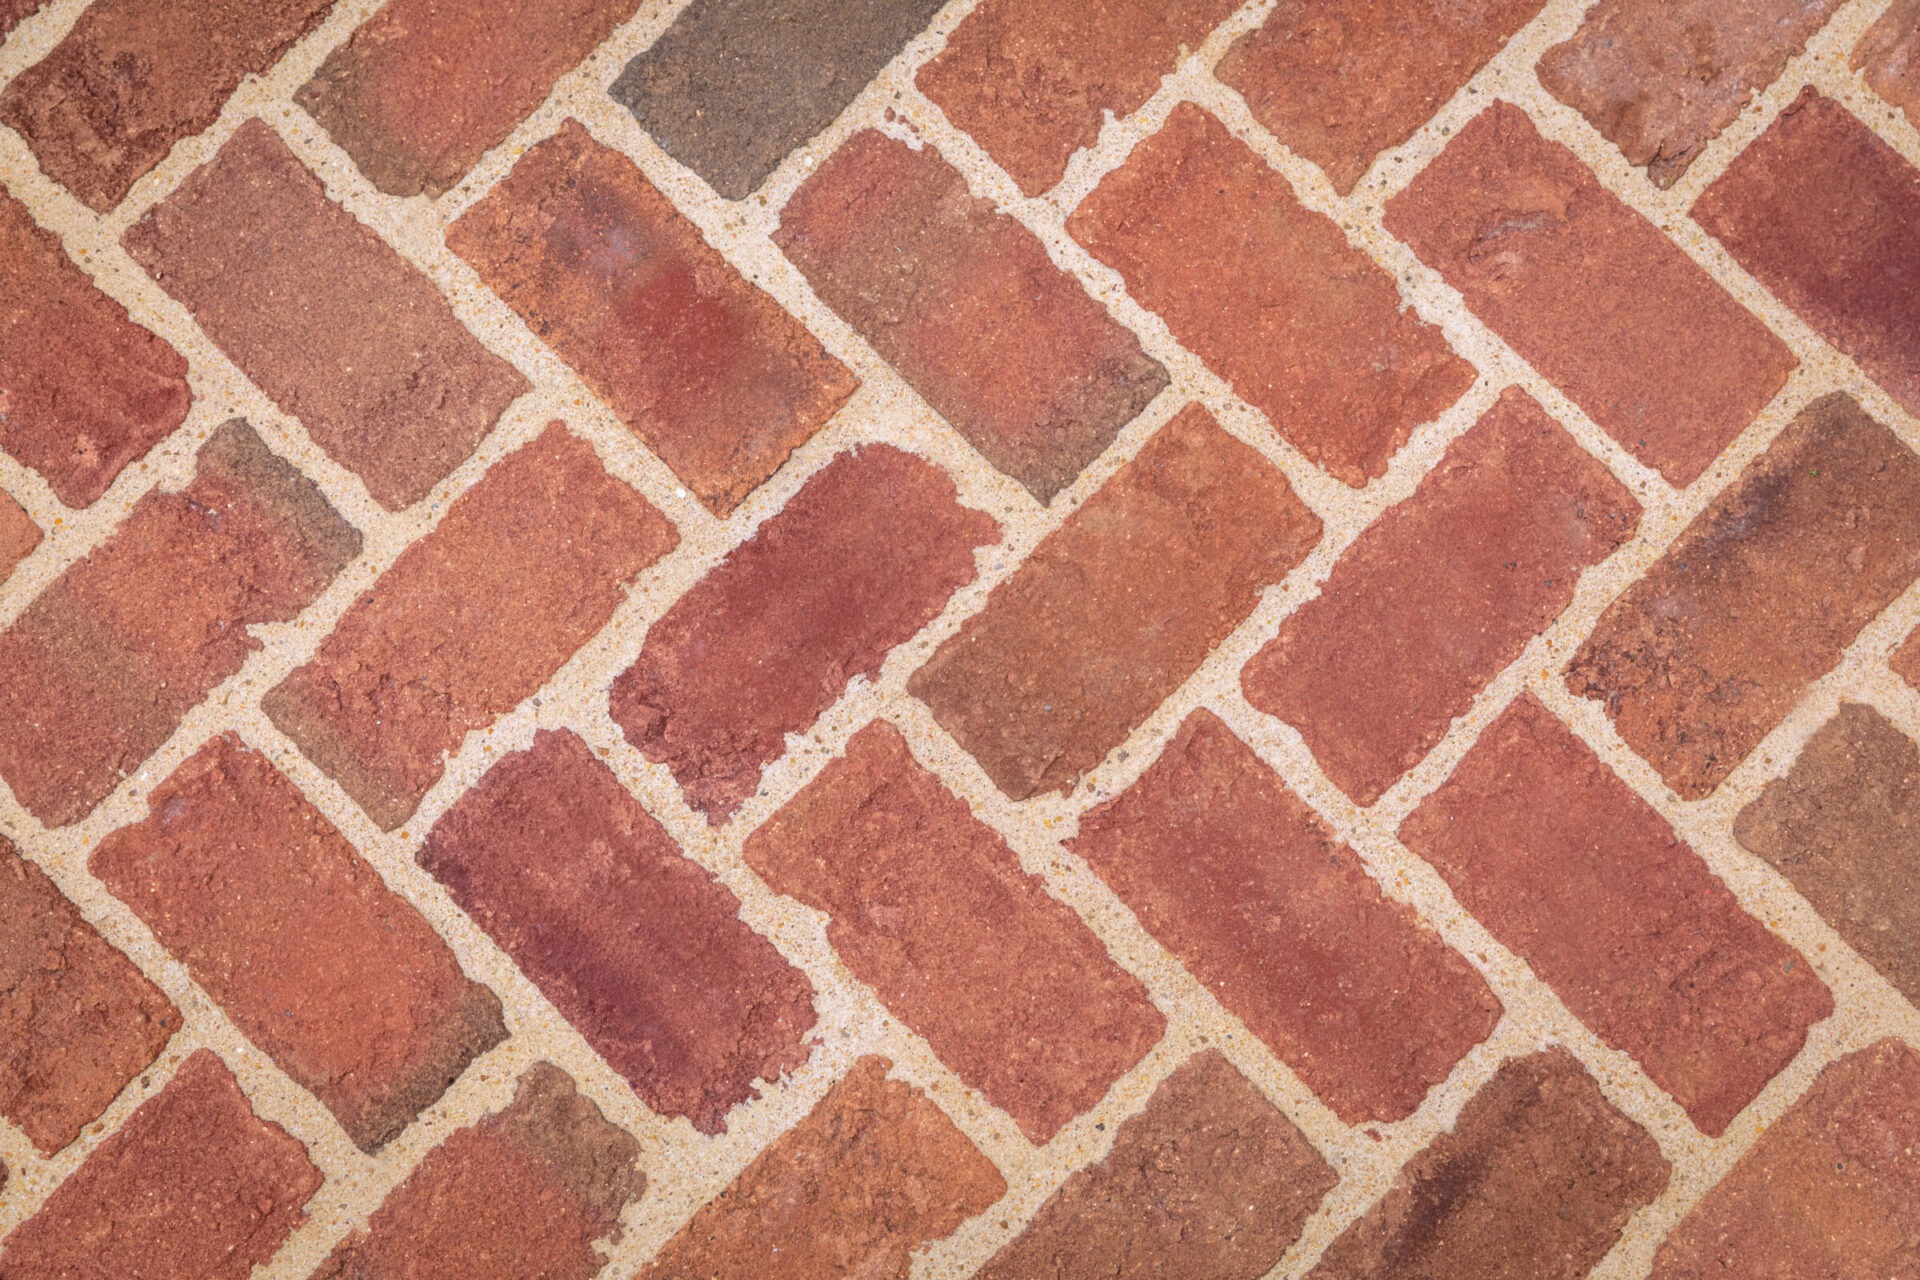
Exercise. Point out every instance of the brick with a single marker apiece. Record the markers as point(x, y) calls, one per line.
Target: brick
point(703, 366)
point(1590, 293)
point(98, 672)
point(1208, 1182)
point(194, 1186)
point(1439, 595)
point(1116, 607)
point(634, 943)
point(1570, 869)
point(1341, 82)
point(1831, 1189)
point(874, 1172)
point(528, 1191)
point(133, 77)
point(1033, 83)
point(1758, 597)
point(77, 1020)
point(929, 907)
point(1535, 1181)
point(1270, 294)
point(1905, 660)
point(469, 622)
point(859, 560)
point(1889, 56)
point(19, 535)
point(299, 941)
point(12, 12)
point(338, 329)
point(733, 86)
point(1827, 216)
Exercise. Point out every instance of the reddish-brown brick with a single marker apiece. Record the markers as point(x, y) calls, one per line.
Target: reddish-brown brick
point(874, 1173)
point(859, 560)
point(703, 366)
point(1889, 56)
point(1758, 597)
point(1906, 659)
point(1831, 1189)
point(19, 535)
point(302, 944)
point(964, 301)
point(99, 671)
point(633, 942)
point(1439, 594)
point(1032, 83)
point(1827, 216)
point(11, 13)
point(528, 1191)
point(526, 566)
point(193, 1187)
point(1341, 81)
point(338, 329)
point(1578, 875)
point(1601, 303)
point(1117, 607)
point(1535, 1181)
point(930, 908)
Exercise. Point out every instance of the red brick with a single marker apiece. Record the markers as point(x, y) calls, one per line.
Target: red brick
point(859, 560)
point(528, 1191)
point(338, 329)
point(634, 943)
point(77, 1020)
point(301, 943)
point(1117, 607)
point(1889, 56)
point(703, 366)
point(19, 535)
point(872, 1174)
point(99, 671)
point(469, 622)
point(1340, 81)
point(1535, 1181)
point(965, 302)
point(424, 88)
point(1906, 659)
point(1591, 293)
point(1758, 597)
point(1439, 595)
point(1570, 869)
point(930, 908)
point(1240, 880)
point(11, 13)
point(1827, 216)
point(1831, 1189)
point(193, 1187)
point(1033, 83)
point(1270, 294)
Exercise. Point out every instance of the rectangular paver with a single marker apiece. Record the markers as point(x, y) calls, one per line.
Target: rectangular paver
point(1889, 56)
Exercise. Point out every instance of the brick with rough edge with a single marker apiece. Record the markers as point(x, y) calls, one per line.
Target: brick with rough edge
point(1905, 660)
point(12, 13)
point(1889, 56)
point(19, 535)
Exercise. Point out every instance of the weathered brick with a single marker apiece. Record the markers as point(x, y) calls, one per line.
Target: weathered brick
point(733, 86)
point(1239, 879)
point(19, 535)
point(193, 1187)
point(965, 302)
point(1758, 597)
point(1906, 659)
point(1535, 1181)
point(1831, 1189)
point(1339, 82)
point(77, 1020)
point(133, 77)
point(99, 671)
point(859, 560)
point(1032, 83)
point(338, 329)
point(11, 14)
point(875, 1172)
point(1439, 594)
point(1827, 216)
point(1208, 1182)
point(703, 366)
point(525, 567)
point(634, 943)
point(1889, 56)
point(1591, 293)
point(301, 943)
point(1118, 606)
point(929, 907)
point(1570, 869)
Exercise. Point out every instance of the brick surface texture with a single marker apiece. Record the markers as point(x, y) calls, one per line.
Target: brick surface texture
point(19, 535)
point(1889, 56)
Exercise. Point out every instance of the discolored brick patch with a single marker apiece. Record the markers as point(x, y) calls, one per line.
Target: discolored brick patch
point(1889, 56)
point(19, 535)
